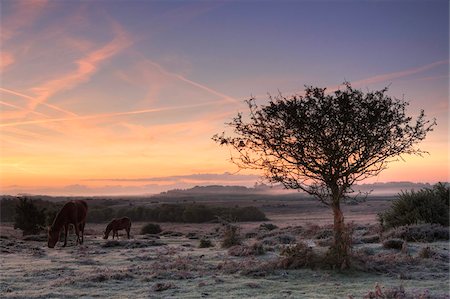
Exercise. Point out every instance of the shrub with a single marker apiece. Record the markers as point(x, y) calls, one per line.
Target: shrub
point(231, 236)
point(419, 233)
point(370, 239)
point(244, 250)
point(151, 228)
point(298, 256)
point(400, 292)
point(28, 217)
point(268, 226)
point(279, 239)
point(393, 244)
point(425, 253)
point(424, 206)
point(205, 243)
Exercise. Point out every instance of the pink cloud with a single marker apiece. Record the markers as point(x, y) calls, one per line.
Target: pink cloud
point(24, 14)
point(86, 67)
point(6, 60)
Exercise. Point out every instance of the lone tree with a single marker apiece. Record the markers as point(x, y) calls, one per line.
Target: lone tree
point(323, 143)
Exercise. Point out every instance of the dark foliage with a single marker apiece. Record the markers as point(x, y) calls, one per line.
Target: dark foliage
point(28, 217)
point(393, 244)
point(105, 211)
point(268, 226)
point(205, 243)
point(151, 228)
point(187, 213)
point(424, 206)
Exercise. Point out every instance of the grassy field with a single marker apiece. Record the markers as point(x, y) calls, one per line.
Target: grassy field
point(172, 265)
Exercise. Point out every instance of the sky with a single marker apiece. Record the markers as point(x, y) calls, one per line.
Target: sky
point(123, 97)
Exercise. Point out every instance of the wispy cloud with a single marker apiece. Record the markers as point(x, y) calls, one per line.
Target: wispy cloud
point(23, 14)
point(6, 59)
point(400, 74)
point(109, 115)
point(391, 76)
point(22, 95)
point(86, 67)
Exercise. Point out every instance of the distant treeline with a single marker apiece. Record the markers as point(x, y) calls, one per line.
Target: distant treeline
point(193, 213)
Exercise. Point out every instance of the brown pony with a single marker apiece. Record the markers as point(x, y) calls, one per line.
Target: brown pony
point(117, 224)
point(73, 212)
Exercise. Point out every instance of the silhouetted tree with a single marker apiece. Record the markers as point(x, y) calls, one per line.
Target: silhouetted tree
point(323, 143)
point(28, 217)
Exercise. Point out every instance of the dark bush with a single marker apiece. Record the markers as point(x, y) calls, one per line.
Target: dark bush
point(419, 233)
point(370, 239)
point(424, 206)
point(268, 226)
point(151, 228)
point(393, 244)
point(197, 214)
point(29, 218)
point(205, 243)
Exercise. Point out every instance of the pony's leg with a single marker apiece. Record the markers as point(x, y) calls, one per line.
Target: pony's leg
point(114, 233)
point(77, 231)
point(128, 232)
point(82, 231)
point(66, 230)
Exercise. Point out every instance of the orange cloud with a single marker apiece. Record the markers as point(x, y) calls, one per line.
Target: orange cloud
point(6, 60)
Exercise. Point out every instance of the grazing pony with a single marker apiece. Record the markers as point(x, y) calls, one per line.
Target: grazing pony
point(117, 224)
point(73, 212)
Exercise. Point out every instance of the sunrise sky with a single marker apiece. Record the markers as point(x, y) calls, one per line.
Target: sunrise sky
point(123, 97)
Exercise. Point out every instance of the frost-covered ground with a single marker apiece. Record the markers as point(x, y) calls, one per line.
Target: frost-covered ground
point(175, 267)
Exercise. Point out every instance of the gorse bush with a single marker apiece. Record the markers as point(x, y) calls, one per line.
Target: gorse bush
point(151, 228)
point(424, 206)
point(29, 218)
point(298, 256)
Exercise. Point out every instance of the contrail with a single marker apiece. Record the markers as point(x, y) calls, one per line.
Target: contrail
point(196, 84)
point(107, 115)
point(33, 99)
point(21, 108)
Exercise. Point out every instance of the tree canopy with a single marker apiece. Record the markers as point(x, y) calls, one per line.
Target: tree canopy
point(319, 140)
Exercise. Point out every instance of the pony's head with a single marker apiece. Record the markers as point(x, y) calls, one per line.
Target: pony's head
point(53, 237)
point(105, 235)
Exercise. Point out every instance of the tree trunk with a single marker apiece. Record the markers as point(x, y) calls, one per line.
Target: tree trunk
point(342, 242)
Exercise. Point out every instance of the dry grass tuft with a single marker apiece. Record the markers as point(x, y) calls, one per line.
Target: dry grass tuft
point(244, 250)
